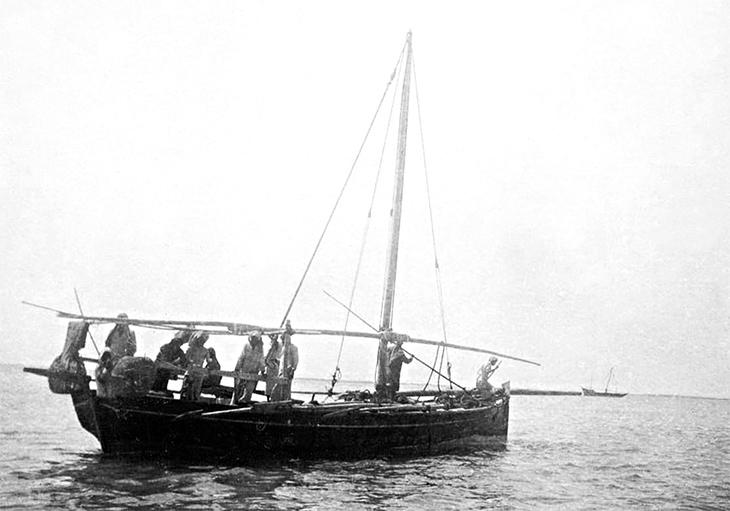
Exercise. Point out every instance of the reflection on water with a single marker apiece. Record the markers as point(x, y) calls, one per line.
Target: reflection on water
point(93, 481)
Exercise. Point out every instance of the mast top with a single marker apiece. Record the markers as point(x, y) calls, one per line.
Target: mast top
point(397, 201)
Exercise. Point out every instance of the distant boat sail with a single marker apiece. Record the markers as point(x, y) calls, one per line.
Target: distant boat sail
point(605, 393)
point(134, 417)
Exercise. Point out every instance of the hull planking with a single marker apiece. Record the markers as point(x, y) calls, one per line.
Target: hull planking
point(159, 426)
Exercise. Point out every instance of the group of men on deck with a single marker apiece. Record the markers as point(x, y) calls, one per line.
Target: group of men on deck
point(198, 362)
point(201, 367)
point(278, 366)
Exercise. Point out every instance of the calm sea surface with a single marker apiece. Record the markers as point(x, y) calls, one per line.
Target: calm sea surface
point(640, 452)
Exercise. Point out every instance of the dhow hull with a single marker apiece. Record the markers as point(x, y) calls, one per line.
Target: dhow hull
point(173, 428)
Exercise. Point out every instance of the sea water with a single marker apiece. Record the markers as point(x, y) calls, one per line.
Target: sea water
point(563, 452)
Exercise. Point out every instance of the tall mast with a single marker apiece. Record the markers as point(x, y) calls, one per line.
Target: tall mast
point(610, 374)
point(395, 214)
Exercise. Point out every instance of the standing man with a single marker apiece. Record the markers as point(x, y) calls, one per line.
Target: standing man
point(396, 358)
point(289, 363)
point(121, 341)
point(251, 361)
point(485, 372)
point(196, 356)
point(272, 363)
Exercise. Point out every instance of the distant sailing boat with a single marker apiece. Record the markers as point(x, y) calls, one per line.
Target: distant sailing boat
point(137, 419)
point(605, 393)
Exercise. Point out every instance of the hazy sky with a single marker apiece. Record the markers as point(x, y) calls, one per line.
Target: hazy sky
point(179, 159)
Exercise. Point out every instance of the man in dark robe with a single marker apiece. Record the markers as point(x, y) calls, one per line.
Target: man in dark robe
point(170, 353)
point(212, 380)
point(396, 358)
point(121, 341)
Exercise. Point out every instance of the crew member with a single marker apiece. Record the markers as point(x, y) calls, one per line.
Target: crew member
point(212, 380)
point(485, 372)
point(396, 358)
point(170, 353)
point(121, 341)
point(272, 363)
point(103, 374)
point(196, 356)
point(288, 365)
point(251, 361)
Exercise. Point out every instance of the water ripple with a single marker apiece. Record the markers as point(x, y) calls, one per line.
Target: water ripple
point(637, 452)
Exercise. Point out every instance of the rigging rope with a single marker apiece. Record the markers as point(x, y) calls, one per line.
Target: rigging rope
point(433, 241)
point(337, 373)
point(78, 302)
point(342, 191)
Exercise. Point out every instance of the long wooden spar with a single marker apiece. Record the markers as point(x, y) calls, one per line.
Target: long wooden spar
point(247, 329)
point(178, 324)
point(414, 340)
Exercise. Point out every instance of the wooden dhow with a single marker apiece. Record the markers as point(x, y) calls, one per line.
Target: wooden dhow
point(595, 393)
point(135, 420)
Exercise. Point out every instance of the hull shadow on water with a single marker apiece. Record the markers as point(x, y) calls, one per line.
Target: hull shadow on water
point(98, 481)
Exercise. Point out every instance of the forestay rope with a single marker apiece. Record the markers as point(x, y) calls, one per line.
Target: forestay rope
point(337, 373)
point(342, 191)
point(437, 269)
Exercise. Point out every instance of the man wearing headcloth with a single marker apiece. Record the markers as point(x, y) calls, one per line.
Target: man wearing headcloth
point(396, 358)
point(170, 353)
point(289, 364)
point(485, 372)
point(272, 363)
point(251, 361)
point(197, 355)
point(121, 341)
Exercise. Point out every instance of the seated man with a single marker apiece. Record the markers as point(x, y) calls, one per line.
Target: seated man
point(171, 353)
